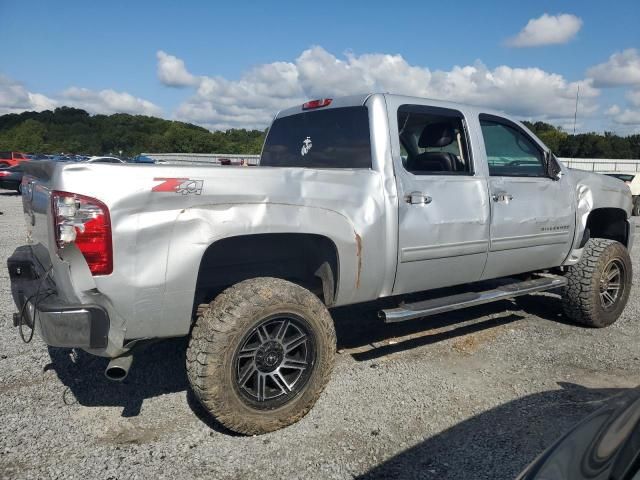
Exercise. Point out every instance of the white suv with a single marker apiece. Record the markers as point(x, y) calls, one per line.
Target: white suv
point(633, 180)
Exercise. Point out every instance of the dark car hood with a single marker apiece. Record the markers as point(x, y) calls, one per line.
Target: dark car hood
point(606, 445)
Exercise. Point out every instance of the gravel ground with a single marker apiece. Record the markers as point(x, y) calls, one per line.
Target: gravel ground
point(471, 394)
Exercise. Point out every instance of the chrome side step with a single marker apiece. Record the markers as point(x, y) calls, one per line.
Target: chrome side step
point(410, 311)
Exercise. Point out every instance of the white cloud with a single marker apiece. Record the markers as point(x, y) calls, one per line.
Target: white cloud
point(634, 97)
point(40, 102)
point(108, 101)
point(172, 72)
point(628, 117)
point(547, 30)
point(613, 110)
point(622, 68)
point(623, 117)
point(15, 98)
point(251, 101)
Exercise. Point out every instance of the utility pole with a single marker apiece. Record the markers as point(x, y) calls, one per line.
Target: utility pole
point(575, 115)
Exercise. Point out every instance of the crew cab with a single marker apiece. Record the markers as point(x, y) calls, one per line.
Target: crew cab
point(12, 158)
point(356, 199)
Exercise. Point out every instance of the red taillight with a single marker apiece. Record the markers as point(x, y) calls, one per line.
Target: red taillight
point(84, 221)
point(322, 102)
point(4, 174)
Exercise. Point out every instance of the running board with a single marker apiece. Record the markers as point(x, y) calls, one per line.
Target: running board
point(410, 311)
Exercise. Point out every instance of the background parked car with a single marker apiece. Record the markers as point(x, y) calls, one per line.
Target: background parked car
point(39, 156)
point(11, 178)
point(12, 158)
point(604, 445)
point(143, 159)
point(61, 158)
point(104, 160)
point(633, 180)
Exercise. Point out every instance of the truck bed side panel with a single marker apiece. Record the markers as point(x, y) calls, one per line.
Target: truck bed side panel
point(159, 236)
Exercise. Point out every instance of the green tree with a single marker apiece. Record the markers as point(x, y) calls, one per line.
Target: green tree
point(73, 130)
point(28, 135)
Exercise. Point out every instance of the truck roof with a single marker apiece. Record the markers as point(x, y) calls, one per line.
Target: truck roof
point(337, 102)
point(359, 100)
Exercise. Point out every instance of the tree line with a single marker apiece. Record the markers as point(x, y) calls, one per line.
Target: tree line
point(72, 130)
point(586, 145)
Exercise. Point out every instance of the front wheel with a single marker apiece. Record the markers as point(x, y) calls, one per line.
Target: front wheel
point(599, 284)
point(260, 355)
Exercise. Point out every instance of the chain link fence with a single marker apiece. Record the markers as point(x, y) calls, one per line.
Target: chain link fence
point(602, 164)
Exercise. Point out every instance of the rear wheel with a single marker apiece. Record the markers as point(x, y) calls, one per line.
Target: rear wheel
point(599, 284)
point(260, 355)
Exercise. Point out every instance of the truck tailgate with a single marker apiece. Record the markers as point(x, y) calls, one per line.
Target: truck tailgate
point(36, 202)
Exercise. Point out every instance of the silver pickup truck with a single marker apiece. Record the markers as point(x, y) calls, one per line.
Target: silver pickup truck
point(355, 199)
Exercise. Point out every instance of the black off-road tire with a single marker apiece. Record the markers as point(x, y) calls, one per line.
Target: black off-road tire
point(636, 206)
point(581, 298)
point(219, 333)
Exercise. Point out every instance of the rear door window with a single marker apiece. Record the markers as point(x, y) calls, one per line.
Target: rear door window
point(334, 138)
point(433, 141)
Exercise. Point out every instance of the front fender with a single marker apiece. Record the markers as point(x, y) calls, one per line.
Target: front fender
point(594, 191)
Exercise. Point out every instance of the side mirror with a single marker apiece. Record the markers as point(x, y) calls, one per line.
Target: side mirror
point(552, 166)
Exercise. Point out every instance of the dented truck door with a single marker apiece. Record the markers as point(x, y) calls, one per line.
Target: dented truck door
point(532, 215)
point(443, 211)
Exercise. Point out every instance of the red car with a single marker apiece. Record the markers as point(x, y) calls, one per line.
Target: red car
point(12, 158)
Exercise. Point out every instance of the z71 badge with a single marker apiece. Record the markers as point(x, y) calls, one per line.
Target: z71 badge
point(183, 186)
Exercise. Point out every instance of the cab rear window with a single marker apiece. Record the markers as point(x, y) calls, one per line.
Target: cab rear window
point(333, 138)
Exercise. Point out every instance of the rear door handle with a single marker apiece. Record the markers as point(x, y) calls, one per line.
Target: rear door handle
point(417, 198)
point(502, 197)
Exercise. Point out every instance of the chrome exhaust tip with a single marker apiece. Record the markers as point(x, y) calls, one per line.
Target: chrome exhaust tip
point(118, 368)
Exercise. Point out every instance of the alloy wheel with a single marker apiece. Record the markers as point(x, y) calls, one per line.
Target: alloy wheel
point(274, 361)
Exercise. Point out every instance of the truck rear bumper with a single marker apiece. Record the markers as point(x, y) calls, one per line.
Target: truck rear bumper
point(59, 322)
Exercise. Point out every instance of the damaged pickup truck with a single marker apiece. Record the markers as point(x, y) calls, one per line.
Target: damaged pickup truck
point(355, 199)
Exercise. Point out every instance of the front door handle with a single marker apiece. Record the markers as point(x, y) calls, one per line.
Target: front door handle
point(417, 198)
point(502, 197)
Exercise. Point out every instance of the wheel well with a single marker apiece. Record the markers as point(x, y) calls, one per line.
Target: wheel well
point(306, 259)
point(608, 223)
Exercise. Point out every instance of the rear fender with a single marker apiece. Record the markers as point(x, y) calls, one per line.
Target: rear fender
point(197, 228)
